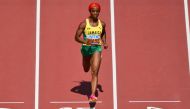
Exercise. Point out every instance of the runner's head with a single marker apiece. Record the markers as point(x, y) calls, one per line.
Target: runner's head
point(94, 9)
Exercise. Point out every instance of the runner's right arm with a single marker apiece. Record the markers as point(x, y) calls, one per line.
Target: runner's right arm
point(79, 32)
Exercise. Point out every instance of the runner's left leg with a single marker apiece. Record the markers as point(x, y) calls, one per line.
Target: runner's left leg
point(95, 66)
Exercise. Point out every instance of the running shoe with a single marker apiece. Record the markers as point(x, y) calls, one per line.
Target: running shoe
point(93, 98)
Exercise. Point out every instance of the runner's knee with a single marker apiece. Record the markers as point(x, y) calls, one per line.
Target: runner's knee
point(94, 71)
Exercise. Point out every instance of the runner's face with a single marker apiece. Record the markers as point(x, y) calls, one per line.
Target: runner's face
point(94, 12)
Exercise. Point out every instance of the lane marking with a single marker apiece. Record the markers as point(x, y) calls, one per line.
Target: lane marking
point(65, 108)
point(5, 108)
point(153, 107)
point(113, 54)
point(154, 101)
point(187, 29)
point(37, 54)
point(11, 103)
point(72, 102)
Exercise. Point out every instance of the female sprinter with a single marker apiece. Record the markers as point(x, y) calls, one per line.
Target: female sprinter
point(94, 36)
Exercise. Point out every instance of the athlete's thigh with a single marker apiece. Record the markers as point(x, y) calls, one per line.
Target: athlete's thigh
point(95, 61)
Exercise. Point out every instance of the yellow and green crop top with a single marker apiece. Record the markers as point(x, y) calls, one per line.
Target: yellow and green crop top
point(93, 33)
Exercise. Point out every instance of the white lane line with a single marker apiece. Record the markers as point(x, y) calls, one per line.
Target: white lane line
point(153, 107)
point(37, 54)
point(65, 108)
point(187, 29)
point(154, 101)
point(5, 108)
point(113, 54)
point(11, 103)
point(72, 102)
point(77, 108)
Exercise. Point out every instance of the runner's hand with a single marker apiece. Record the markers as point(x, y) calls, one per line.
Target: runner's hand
point(88, 42)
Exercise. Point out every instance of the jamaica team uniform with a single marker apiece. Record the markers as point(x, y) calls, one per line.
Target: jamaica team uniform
point(92, 35)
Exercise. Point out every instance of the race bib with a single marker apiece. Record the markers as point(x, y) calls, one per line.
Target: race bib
point(94, 39)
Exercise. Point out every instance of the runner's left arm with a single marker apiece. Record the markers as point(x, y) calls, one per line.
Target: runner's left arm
point(104, 36)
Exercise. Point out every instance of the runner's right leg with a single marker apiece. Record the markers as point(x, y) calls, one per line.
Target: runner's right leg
point(86, 63)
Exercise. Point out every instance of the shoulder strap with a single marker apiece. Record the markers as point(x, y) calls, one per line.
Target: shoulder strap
point(87, 22)
point(99, 23)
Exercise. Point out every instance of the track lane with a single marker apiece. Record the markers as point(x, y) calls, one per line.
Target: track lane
point(151, 53)
point(17, 57)
point(61, 73)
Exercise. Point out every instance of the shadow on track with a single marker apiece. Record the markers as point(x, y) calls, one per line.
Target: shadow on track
point(84, 88)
